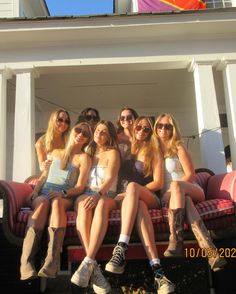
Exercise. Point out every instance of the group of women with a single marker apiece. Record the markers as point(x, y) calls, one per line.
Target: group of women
point(96, 168)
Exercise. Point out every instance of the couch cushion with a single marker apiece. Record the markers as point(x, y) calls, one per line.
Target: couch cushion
point(215, 208)
point(210, 209)
point(114, 220)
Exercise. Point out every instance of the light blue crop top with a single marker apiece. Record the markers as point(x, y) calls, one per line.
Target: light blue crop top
point(59, 179)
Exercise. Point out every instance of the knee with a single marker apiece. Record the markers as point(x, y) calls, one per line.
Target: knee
point(132, 189)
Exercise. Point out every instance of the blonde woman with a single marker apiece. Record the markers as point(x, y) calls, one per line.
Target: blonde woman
point(66, 178)
point(145, 176)
point(94, 206)
point(181, 190)
point(54, 138)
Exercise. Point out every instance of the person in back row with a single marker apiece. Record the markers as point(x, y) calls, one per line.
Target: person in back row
point(181, 191)
point(125, 123)
point(145, 176)
point(94, 206)
point(53, 194)
point(55, 137)
point(89, 115)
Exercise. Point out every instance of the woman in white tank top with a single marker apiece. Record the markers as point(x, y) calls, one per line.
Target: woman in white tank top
point(181, 191)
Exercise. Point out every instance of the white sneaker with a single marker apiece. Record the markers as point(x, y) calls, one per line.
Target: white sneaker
point(164, 286)
point(82, 275)
point(100, 284)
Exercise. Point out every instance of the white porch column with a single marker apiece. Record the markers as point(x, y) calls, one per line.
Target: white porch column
point(211, 141)
point(24, 129)
point(233, 3)
point(4, 76)
point(229, 78)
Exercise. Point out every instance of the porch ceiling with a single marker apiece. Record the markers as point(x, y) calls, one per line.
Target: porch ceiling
point(113, 87)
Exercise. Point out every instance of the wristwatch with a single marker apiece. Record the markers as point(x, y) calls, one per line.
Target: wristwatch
point(64, 192)
point(100, 193)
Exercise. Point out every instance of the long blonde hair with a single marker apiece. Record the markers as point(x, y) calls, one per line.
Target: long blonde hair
point(49, 136)
point(148, 149)
point(70, 143)
point(175, 140)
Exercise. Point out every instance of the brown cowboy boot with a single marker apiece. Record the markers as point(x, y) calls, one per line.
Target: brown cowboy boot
point(29, 250)
point(176, 224)
point(204, 241)
point(51, 264)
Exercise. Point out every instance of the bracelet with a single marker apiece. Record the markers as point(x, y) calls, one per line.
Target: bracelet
point(64, 192)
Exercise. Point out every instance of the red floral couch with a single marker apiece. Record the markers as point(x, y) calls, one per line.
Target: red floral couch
point(218, 213)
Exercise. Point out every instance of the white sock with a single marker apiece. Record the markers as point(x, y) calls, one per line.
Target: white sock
point(154, 261)
point(124, 239)
point(89, 260)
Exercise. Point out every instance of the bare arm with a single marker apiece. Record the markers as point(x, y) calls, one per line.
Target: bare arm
point(158, 173)
point(42, 155)
point(84, 169)
point(187, 164)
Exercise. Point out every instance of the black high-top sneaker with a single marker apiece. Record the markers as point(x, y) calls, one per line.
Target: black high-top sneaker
point(117, 263)
point(163, 285)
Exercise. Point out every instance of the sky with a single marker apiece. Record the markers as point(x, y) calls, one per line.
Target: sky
point(79, 7)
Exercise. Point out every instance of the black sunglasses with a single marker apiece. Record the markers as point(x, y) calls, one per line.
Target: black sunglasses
point(145, 129)
point(83, 132)
point(62, 120)
point(128, 117)
point(91, 117)
point(167, 127)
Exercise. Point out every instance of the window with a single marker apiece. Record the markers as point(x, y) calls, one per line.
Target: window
point(218, 3)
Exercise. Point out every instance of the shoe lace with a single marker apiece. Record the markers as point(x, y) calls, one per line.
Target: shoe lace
point(98, 276)
point(118, 254)
point(85, 268)
point(161, 280)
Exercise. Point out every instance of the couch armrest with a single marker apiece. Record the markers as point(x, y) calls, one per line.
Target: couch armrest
point(15, 196)
point(222, 186)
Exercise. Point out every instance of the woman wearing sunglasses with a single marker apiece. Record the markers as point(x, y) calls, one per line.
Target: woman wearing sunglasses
point(181, 190)
point(145, 176)
point(89, 115)
point(54, 138)
point(94, 206)
point(125, 123)
point(54, 193)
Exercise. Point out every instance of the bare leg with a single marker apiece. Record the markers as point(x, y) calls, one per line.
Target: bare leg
point(145, 230)
point(39, 217)
point(83, 222)
point(58, 218)
point(99, 224)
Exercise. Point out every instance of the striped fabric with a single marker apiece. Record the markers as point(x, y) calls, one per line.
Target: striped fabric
point(216, 212)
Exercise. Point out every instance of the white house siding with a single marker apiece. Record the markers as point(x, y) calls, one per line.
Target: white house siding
point(6, 8)
point(22, 8)
point(111, 62)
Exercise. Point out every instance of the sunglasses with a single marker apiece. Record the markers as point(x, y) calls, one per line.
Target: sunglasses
point(84, 133)
point(91, 117)
point(167, 127)
point(128, 117)
point(145, 129)
point(62, 120)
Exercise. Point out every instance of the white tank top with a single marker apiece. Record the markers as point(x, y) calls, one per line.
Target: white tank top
point(173, 171)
